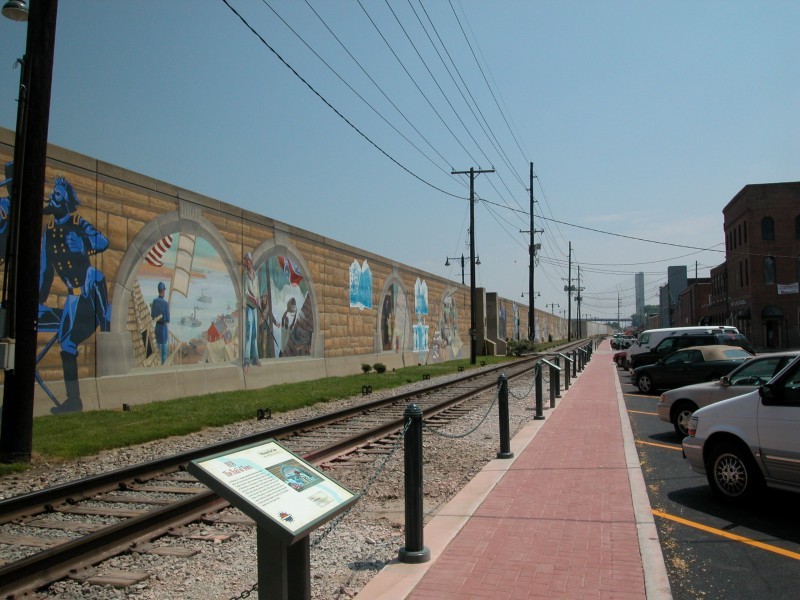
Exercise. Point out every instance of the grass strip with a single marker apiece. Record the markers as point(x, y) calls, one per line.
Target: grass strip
point(71, 436)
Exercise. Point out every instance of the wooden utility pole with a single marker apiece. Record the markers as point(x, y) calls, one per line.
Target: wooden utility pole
point(473, 346)
point(532, 248)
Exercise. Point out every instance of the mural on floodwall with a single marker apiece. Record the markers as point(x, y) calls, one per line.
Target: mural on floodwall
point(420, 327)
point(447, 342)
point(286, 309)
point(395, 320)
point(360, 285)
point(68, 243)
point(181, 307)
point(138, 278)
point(191, 314)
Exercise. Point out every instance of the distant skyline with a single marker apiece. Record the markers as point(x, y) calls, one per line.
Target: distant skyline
point(642, 119)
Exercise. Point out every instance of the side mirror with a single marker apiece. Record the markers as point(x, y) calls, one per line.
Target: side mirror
point(724, 381)
point(766, 393)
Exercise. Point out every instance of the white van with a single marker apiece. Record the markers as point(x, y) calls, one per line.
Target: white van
point(651, 337)
point(746, 442)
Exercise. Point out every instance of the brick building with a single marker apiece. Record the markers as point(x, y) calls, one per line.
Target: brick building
point(757, 286)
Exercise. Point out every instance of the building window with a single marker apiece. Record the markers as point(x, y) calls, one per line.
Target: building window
point(739, 235)
point(797, 227)
point(769, 269)
point(797, 274)
point(745, 232)
point(746, 273)
point(767, 228)
point(741, 274)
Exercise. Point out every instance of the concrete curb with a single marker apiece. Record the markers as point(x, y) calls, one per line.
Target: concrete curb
point(655, 571)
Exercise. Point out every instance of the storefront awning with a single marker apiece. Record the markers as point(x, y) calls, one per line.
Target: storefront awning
point(771, 312)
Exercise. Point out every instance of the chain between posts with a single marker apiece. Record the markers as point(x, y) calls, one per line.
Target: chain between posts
point(533, 384)
point(465, 434)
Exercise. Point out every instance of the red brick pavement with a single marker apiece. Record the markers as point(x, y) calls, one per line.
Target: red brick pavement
point(560, 523)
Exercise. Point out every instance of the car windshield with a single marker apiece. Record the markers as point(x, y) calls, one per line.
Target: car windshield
point(736, 353)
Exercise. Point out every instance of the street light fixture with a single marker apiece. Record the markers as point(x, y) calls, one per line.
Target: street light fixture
point(462, 259)
point(16, 10)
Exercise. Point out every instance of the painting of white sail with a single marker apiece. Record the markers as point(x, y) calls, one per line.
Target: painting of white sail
point(360, 285)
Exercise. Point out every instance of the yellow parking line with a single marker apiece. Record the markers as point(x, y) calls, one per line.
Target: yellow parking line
point(641, 412)
point(730, 536)
point(668, 447)
point(640, 395)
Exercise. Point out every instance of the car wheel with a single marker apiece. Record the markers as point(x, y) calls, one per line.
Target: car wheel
point(733, 474)
point(681, 413)
point(645, 383)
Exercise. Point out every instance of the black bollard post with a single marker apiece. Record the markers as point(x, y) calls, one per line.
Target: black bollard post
point(539, 408)
point(414, 552)
point(505, 430)
point(553, 384)
point(558, 378)
point(574, 364)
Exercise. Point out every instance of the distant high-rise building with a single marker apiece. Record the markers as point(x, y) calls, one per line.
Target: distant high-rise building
point(639, 286)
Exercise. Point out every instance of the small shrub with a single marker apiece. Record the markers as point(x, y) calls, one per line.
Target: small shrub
point(379, 367)
point(366, 368)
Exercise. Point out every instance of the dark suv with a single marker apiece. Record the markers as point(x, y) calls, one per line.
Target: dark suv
point(677, 342)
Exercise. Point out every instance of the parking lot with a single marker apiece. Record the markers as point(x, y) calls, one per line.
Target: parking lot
point(712, 550)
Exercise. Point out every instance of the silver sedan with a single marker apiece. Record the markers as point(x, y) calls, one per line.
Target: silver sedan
point(676, 406)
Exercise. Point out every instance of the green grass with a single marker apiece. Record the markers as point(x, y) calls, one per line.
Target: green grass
point(65, 437)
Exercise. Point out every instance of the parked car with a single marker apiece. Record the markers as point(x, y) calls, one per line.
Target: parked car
point(747, 442)
point(621, 341)
point(690, 365)
point(650, 338)
point(684, 340)
point(619, 359)
point(676, 406)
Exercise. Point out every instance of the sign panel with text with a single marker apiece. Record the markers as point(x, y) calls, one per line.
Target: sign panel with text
point(274, 487)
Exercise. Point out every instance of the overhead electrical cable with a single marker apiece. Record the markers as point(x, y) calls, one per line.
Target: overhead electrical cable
point(379, 88)
point(414, 81)
point(360, 97)
point(334, 109)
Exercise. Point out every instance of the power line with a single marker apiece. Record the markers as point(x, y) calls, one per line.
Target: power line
point(334, 109)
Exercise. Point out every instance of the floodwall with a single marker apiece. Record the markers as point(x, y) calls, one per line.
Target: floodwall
point(150, 292)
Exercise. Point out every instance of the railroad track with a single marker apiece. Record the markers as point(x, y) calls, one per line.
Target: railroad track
point(64, 530)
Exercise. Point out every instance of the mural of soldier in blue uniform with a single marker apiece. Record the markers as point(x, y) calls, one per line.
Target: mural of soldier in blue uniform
point(68, 243)
point(159, 311)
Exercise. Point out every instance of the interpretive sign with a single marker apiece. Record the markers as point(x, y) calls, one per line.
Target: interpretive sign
point(280, 491)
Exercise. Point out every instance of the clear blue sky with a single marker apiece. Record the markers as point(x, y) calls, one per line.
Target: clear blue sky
point(642, 119)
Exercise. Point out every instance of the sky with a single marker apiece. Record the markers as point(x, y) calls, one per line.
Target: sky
point(642, 120)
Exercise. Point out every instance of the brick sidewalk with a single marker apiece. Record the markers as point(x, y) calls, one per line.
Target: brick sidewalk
point(558, 521)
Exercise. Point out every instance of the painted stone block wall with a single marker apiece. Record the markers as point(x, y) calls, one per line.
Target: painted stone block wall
point(151, 292)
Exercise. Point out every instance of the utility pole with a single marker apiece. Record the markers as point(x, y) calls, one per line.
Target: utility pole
point(578, 299)
point(473, 346)
point(30, 159)
point(552, 308)
point(568, 289)
point(532, 248)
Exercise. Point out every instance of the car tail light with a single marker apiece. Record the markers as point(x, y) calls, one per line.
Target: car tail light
point(692, 427)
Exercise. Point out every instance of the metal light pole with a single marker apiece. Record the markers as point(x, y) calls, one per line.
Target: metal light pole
point(30, 158)
point(447, 264)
